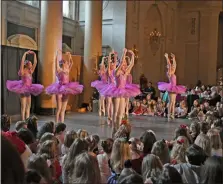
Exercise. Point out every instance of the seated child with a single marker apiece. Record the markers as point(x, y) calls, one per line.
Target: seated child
point(181, 111)
point(160, 107)
point(144, 104)
point(194, 110)
point(138, 109)
point(151, 108)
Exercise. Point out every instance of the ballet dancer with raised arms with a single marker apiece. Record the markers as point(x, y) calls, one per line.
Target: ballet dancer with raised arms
point(63, 87)
point(24, 87)
point(172, 88)
point(99, 84)
point(128, 81)
point(120, 90)
point(112, 62)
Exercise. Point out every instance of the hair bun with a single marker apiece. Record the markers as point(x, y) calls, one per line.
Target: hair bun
point(128, 164)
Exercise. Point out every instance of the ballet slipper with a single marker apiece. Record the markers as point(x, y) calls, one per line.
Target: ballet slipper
point(99, 113)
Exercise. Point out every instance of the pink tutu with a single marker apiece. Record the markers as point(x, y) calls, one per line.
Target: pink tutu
point(111, 90)
point(21, 88)
point(164, 86)
point(72, 88)
point(98, 84)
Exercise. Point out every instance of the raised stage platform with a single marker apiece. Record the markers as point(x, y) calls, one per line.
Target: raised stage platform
point(98, 125)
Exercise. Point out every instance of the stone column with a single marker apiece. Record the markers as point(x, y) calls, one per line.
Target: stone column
point(92, 44)
point(51, 28)
point(4, 23)
point(208, 46)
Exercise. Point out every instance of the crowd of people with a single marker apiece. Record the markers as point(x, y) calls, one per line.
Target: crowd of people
point(193, 103)
point(52, 154)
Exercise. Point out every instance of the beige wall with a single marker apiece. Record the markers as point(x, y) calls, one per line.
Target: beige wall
point(189, 29)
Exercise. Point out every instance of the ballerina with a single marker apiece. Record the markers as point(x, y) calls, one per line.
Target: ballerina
point(120, 90)
point(99, 84)
point(128, 81)
point(63, 88)
point(111, 80)
point(24, 87)
point(172, 88)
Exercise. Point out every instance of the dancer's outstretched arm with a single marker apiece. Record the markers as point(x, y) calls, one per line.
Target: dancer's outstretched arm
point(57, 62)
point(168, 64)
point(109, 63)
point(174, 65)
point(23, 62)
point(70, 60)
point(115, 58)
point(122, 61)
point(35, 61)
point(101, 64)
point(132, 62)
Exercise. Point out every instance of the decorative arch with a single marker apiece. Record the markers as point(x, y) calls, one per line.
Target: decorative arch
point(22, 41)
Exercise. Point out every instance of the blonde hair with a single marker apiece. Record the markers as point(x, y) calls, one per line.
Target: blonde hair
point(161, 150)
point(204, 142)
point(47, 148)
point(178, 152)
point(82, 134)
point(120, 153)
point(215, 138)
point(151, 167)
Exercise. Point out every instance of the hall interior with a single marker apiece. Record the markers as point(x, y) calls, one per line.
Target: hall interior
point(89, 29)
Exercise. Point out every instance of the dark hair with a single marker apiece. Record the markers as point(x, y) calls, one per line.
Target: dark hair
point(107, 145)
point(32, 176)
point(19, 125)
point(96, 137)
point(69, 138)
point(32, 125)
point(148, 139)
point(212, 171)
point(12, 168)
point(26, 136)
point(195, 155)
point(46, 127)
point(60, 127)
point(5, 122)
point(169, 175)
point(204, 127)
point(132, 178)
